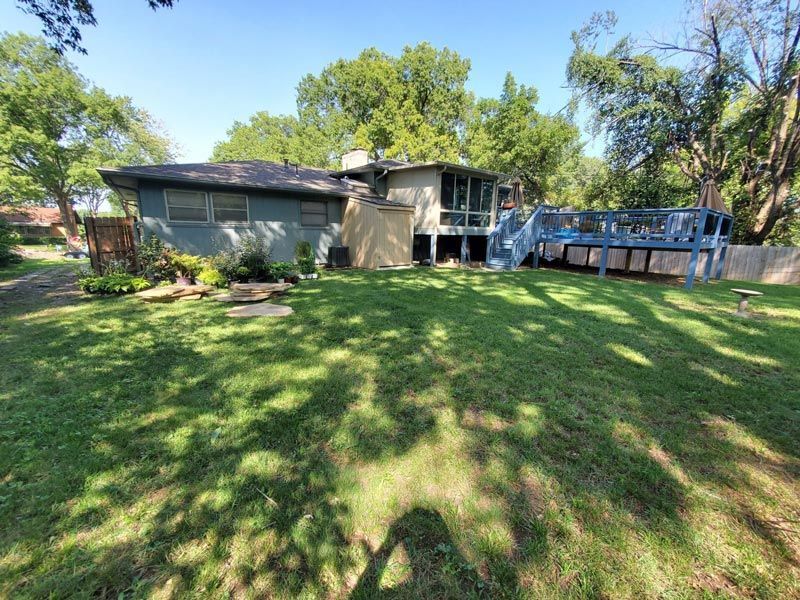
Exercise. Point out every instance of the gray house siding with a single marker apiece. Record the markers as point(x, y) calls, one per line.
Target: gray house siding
point(274, 216)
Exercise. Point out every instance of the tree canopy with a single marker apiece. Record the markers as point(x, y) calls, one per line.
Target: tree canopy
point(721, 103)
point(56, 128)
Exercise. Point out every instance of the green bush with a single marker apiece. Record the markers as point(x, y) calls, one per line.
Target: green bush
point(156, 259)
point(211, 276)
point(307, 265)
point(118, 283)
point(32, 240)
point(186, 265)
point(248, 259)
point(303, 250)
point(8, 244)
point(282, 270)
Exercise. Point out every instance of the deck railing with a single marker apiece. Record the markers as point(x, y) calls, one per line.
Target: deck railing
point(645, 225)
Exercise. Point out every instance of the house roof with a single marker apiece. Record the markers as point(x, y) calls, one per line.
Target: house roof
point(401, 165)
point(30, 215)
point(254, 174)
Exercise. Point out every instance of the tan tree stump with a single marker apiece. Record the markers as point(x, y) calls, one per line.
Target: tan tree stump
point(744, 296)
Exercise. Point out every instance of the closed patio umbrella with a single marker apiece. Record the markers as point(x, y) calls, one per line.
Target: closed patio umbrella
point(711, 198)
point(515, 198)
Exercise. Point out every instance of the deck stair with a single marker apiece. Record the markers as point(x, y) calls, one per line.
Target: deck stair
point(513, 238)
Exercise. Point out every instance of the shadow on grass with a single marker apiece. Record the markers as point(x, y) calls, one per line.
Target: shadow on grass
point(165, 448)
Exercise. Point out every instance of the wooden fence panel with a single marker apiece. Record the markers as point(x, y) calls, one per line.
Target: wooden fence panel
point(768, 264)
point(110, 238)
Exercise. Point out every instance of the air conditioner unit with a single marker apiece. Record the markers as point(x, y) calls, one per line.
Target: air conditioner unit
point(339, 256)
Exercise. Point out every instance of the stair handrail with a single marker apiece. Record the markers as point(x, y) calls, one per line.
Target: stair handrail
point(502, 229)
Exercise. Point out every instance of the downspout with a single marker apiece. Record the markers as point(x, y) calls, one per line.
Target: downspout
point(381, 176)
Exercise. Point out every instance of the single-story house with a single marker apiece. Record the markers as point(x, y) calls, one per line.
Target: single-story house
point(34, 221)
point(388, 212)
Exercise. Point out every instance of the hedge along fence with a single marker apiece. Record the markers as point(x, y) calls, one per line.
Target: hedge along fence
point(768, 264)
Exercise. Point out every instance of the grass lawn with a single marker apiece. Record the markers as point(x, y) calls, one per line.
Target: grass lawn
point(29, 265)
point(420, 433)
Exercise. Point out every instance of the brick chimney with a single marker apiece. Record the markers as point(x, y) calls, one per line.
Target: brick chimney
point(357, 157)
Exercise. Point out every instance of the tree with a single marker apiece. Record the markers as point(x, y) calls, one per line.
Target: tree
point(55, 129)
point(61, 19)
point(727, 111)
point(509, 135)
point(411, 107)
point(274, 138)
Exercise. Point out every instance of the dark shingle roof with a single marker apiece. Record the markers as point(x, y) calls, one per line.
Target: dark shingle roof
point(257, 174)
point(401, 165)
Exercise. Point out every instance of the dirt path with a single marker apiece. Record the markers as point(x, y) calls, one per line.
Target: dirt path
point(54, 286)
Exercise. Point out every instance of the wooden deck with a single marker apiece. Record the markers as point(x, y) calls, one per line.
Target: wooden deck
point(692, 230)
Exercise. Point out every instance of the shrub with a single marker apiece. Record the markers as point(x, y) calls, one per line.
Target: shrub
point(250, 258)
point(211, 276)
point(116, 267)
point(282, 270)
point(186, 265)
point(307, 265)
point(155, 259)
point(255, 254)
point(303, 250)
point(8, 244)
point(118, 283)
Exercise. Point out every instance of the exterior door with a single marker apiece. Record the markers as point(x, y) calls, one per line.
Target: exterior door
point(395, 240)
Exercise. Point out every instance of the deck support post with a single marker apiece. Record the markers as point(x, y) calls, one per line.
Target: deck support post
point(628, 259)
point(433, 249)
point(606, 241)
point(710, 254)
point(588, 255)
point(464, 249)
point(696, 244)
point(724, 251)
point(647, 260)
point(535, 259)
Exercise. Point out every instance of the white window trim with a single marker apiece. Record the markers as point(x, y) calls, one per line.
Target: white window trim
point(166, 205)
point(247, 205)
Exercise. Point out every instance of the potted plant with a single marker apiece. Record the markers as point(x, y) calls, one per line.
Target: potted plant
point(186, 267)
point(282, 271)
point(307, 267)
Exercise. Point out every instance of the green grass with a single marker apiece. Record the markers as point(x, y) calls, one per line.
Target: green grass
point(28, 265)
point(421, 433)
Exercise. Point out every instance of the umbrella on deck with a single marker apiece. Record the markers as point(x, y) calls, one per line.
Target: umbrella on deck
point(515, 197)
point(711, 198)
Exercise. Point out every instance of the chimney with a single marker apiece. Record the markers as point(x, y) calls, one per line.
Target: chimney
point(357, 157)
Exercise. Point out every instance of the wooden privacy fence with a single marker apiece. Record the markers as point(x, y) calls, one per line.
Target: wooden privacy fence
point(768, 264)
point(110, 238)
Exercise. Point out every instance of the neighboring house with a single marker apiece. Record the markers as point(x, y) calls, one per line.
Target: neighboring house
point(387, 212)
point(34, 221)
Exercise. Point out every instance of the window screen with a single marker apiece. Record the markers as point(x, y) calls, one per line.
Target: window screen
point(186, 206)
point(229, 208)
point(313, 214)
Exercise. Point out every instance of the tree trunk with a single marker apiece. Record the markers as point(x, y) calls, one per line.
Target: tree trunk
point(769, 213)
point(67, 216)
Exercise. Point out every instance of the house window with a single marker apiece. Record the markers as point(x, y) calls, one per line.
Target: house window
point(466, 201)
point(229, 208)
point(313, 214)
point(184, 205)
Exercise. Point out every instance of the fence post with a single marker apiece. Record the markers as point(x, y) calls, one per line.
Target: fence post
point(606, 240)
point(697, 242)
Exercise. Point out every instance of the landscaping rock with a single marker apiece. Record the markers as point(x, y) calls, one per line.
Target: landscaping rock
point(260, 310)
point(237, 297)
point(170, 293)
point(253, 288)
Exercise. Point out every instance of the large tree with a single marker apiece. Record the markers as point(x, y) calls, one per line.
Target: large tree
point(721, 102)
point(510, 135)
point(62, 19)
point(56, 128)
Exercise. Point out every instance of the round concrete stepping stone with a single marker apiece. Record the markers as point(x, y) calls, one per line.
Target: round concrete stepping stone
point(260, 310)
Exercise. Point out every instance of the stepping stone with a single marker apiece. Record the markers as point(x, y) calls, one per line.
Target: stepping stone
point(260, 287)
point(260, 310)
point(191, 297)
point(243, 297)
point(168, 293)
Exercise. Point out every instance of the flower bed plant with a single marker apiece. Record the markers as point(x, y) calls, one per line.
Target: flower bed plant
point(115, 283)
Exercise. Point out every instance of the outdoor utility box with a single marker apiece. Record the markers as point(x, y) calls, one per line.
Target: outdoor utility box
point(339, 256)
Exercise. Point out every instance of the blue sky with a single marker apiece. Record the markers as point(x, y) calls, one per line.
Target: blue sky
point(206, 63)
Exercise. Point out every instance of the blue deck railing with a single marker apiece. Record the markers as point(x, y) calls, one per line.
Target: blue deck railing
point(687, 229)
